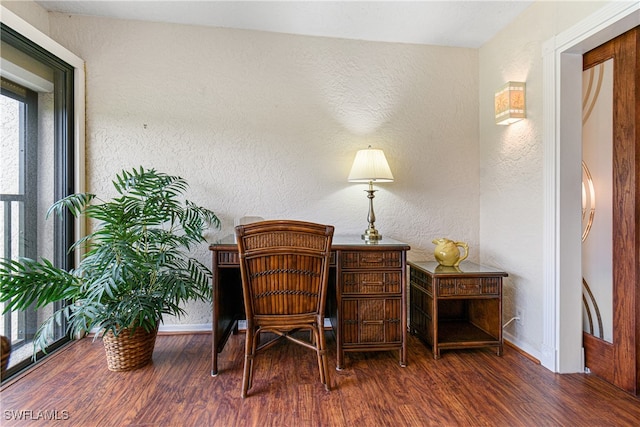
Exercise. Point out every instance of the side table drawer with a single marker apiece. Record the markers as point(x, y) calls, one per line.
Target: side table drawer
point(371, 283)
point(421, 313)
point(466, 286)
point(421, 279)
point(368, 259)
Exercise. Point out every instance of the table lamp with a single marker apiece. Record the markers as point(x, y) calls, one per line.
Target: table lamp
point(370, 165)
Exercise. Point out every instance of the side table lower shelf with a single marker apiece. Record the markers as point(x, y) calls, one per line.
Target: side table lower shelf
point(461, 334)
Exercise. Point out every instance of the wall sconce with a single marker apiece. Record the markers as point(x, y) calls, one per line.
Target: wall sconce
point(368, 166)
point(510, 103)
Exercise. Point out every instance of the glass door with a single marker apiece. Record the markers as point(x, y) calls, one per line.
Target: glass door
point(36, 158)
point(611, 210)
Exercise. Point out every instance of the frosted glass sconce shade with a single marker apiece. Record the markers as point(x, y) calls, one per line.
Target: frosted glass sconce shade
point(510, 103)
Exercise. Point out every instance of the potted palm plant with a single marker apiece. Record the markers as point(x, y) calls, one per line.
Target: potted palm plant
point(135, 270)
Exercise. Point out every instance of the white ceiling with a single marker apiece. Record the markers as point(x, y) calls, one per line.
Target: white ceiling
point(445, 23)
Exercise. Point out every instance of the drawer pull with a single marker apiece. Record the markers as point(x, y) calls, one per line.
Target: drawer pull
point(373, 322)
point(372, 260)
point(365, 283)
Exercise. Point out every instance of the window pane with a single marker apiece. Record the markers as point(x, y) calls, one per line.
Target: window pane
point(9, 145)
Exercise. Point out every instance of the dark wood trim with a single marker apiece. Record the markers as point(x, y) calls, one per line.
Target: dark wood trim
point(598, 356)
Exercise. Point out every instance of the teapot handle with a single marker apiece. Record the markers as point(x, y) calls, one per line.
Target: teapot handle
point(466, 253)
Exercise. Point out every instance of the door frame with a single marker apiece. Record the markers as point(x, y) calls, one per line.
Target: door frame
point(562, 174)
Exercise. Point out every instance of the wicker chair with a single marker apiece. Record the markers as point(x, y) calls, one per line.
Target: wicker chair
point(285, 269)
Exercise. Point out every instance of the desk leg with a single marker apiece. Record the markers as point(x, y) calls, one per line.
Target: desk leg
point(215, 310)
point(227, 308)
point(219, 339)
point(403, 325)
point(214, 361)
point(214, 341)
point(403, 353)
point(339, 357)
point(339, 350)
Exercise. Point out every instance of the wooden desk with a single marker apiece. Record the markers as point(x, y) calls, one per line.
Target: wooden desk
point(366, 301)
point(454, 308)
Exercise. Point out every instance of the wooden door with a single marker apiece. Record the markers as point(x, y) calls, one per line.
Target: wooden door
point(617, 359)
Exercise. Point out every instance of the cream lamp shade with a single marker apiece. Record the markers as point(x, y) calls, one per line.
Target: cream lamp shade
point(370, 165)
point(510, 103)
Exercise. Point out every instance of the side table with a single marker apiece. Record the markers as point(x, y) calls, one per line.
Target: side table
point(456, 307)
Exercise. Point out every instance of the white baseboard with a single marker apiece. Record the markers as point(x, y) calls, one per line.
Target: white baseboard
point(522, 345)
point(185, 328)
point(177, 328)
point(206, 327)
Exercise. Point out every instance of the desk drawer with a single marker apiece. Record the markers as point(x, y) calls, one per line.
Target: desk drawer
point(368, 259)
point(376, 320)
point(371, 283)
point(228, 258)
point(464, 286)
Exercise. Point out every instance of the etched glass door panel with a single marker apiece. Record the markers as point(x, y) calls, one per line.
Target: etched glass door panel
point(597, 175)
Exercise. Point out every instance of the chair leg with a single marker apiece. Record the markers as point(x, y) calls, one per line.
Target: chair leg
point(316, 342)
point(324, 365)
point(254, 351)
point(249, 352)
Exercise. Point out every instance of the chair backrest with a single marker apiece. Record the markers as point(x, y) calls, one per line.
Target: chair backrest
point(284, 266)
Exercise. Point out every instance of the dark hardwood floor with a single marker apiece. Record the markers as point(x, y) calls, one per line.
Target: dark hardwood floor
point(463, 388)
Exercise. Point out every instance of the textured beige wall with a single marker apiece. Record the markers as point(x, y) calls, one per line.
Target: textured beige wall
point(511, 162)
point(265, 124)
point(31, 12)
point(268, 124)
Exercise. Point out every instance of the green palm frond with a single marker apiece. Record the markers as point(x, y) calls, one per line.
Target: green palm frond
point(45, 333)
point(26, 282)
point(75, 203)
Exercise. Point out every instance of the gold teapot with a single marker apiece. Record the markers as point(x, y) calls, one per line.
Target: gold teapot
point(447, 252)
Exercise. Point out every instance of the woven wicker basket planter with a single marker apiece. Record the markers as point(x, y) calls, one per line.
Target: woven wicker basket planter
point(5, 351)
point(128, 352)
